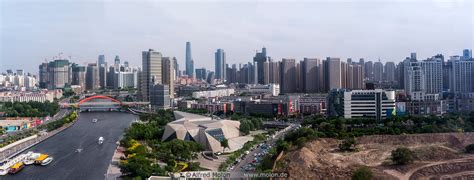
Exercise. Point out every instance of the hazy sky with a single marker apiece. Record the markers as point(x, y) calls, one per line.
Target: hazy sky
point(32, 31)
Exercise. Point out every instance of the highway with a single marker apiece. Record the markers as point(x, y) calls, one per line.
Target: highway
point(92, 161)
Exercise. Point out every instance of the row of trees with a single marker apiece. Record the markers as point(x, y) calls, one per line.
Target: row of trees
point(341, 128)
point(29, 109)
point(59, 123)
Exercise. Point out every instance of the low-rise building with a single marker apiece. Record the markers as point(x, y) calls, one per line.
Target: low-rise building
point(213, 93)
point(377, 104)
point(313, 104)
point(37, 96)
point(257, 89)
point(205, 131)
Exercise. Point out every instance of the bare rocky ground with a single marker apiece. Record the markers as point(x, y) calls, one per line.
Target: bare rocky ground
point(437, 156)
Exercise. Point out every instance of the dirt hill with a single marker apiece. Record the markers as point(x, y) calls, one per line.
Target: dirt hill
point(321, 159)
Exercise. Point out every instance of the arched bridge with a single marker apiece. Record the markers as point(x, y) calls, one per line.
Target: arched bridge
point(101, 102)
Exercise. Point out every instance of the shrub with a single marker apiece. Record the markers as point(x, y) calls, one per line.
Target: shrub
point(402, 156)
point(362, 173)
point(470, 148)
point(348, 144)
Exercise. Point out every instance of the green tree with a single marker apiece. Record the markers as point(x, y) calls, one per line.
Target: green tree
point(137, 165)
point(402, 156)
point(224, 144)
point(362, 173)
point(244, 127)
point(348, 144)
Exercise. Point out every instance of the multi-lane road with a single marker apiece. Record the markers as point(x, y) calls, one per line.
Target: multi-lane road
point(77, 155)
point(237, 172)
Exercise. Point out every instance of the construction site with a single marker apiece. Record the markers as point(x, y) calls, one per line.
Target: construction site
point(436, 156)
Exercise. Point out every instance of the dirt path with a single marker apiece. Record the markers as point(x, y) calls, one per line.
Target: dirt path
point(408, 174)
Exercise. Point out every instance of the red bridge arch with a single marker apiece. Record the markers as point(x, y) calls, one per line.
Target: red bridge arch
point(99, 97)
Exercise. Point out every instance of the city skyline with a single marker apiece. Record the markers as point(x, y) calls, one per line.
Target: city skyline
point(364, 34)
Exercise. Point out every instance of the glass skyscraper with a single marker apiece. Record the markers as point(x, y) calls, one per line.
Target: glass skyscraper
point(189, 61)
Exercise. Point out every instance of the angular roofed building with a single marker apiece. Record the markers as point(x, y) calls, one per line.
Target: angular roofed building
point(204, 130)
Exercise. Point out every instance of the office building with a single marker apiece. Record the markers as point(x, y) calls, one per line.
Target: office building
point(201, 74)
point(151, 70)
point(160, 96)
point(189, 61)
point(220, 64)
point(378, 104)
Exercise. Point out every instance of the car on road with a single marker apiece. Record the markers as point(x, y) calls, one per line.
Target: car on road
point(94, 120)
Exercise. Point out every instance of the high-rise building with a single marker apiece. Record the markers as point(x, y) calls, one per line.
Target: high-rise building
point(128, 78)
point(334, 73)
point(55, 74)
point(160, 96)
point(102, 71)
point(43, 75)
point(168, 75)
point(414, 79)
point(117, 62)
point(369, 71)
point(466, 54)
point(151, 70)
point(176, 68)
point(310, 75)
point(378, 71)
point(274, 72)
point(260, 58)
point(189, 61)
point(201, 74)
point(79, 76)
point(288, 76)
point(220, 65)
point(413, 56)
point(461, 79)
point(92, 77)
point(101, 60)
point(390, 72)
point(433, 75)
point(299, 82)
point(357, 76)
point(400, 77)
